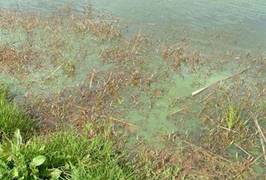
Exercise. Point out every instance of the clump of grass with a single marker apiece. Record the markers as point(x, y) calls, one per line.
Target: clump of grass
point(61, 155)
point(232, 117)
point(71, 155)
point(12, 118)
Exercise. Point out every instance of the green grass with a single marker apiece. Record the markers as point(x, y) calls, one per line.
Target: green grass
point(232, 117)
point(65, 154)
point(62, 154)
point(12, 118)
point(89, 153)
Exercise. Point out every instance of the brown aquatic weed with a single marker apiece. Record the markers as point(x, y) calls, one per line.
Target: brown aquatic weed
point(177, 56)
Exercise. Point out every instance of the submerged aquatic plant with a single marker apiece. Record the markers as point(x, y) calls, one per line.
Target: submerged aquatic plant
point(69, 69)
point(127, 50)
point(177, 56)
point(102, 28)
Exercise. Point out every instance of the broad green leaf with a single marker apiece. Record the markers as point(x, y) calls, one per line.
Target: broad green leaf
point(38, 161)
point(15, 173)
point(55, 174)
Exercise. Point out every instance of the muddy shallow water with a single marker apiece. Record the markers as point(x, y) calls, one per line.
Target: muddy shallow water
point(228, 36)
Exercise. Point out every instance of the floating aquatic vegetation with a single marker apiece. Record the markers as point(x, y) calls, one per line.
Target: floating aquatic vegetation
point(16, 61)
point(102, 28)
point(177, 56)
point(127, 50)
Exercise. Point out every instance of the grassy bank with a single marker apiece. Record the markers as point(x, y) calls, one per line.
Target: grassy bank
point(90, 153)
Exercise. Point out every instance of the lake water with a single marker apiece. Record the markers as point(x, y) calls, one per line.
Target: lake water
point(209, 25)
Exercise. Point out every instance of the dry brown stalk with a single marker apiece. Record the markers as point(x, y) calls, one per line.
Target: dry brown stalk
point(123, 122)
point(245, 151)
point(92, 78)
point(262, 136)
point(195, 93)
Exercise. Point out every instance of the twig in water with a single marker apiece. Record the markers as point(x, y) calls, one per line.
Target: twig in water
point(259, 128)
point(262, 136)
point(92, 78)
point(178, 111)
point(242, 149)
point(52, 73)
point(263, 148)
point(216, 82)
point(122, 122)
